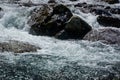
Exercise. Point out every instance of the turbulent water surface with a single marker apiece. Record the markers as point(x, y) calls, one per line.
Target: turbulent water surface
point(58, 59)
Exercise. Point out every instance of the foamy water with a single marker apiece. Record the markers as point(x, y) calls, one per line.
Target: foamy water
point(55, 54)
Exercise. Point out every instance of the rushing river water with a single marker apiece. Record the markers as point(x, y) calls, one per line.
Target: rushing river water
point(58, 59)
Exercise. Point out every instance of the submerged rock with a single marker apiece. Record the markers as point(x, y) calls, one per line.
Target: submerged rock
point(17, 47)
point(108, 21)
point(76, 28)
point(106, 35)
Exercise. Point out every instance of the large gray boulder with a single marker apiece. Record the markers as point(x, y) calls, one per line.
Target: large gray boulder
point(17, 47)
point(105, 35)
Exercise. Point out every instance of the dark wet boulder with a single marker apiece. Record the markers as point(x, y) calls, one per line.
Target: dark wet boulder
point(57, 20)
point(108, 21)
point(111, 1)
point(52, 1)
point(51, 23)
point(62, 12)
point(38, 16)
point(105, 35)
point(76, 28)
point(17, 47)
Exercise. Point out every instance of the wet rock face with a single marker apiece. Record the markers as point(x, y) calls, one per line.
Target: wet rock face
point(76, 28)
point(106, 35)
point(17, 47)
point(51, 23)
point(108, 21)
point(39, 14)
point(61, 23)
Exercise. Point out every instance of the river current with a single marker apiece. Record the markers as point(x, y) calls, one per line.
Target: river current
point(58, 59)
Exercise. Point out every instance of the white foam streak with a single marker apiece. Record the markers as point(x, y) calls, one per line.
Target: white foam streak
point(85, 52)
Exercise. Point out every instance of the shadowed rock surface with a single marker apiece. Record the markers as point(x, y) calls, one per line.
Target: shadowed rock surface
point(17, 47)
point(76, 28)
point(109, 21)
point(52, 23)
point(106, 35)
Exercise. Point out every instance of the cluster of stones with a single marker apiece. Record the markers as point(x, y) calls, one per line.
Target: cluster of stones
point(59, 22)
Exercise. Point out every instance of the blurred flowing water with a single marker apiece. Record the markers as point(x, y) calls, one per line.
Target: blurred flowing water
point(57, 60)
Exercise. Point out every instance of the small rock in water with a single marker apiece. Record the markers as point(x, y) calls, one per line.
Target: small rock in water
point(108, 21)
point(106, 35)
point(17, 47)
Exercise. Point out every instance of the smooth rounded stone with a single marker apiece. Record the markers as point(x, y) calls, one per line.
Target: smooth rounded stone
point(106, 35)
point(111, 1)
point(108, 21)
point(76, 28)
point(17, 47)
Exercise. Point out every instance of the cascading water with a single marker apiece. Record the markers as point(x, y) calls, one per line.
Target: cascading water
point(58, 59)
